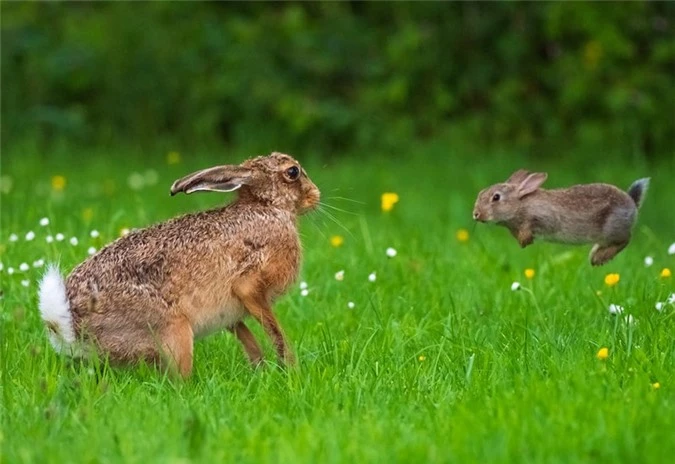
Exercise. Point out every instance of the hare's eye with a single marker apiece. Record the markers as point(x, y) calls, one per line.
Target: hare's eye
point(496, 197)
point(293, 172)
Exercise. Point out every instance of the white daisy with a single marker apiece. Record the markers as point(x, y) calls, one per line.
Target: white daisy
point(13, 237)
point(391, 252)
point(649, 261)
point(515, 286)
point(91, 250)
point(44, 222)
point(60, 237)
point(304, 292)
point(671, 298)
point(49, 239)
point(340, 276)
point(615, 309)
point(350, 305)
point(39, 263)
point(2, 266)
point(25, 282)
point(74, 241)
point(303, 285)
point(671, 249)
point(659, 306)
point(23, 267)
point(372, 277)
point(10, 270)
point(94, 233)
point(30, 235)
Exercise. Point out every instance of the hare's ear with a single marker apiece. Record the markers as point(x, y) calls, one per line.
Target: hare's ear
point(517, 177)
point(531, 183)
point(216, 179)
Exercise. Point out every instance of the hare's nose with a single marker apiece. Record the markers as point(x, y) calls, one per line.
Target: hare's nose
point(475, 214)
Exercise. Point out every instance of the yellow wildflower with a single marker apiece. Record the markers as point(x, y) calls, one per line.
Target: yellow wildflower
point(422, 358)
point(529, 273)
point(58, 183)
point(462, 235)
point(612, 279)
point(388, 201)
point(656, 385)
point(603, 353)
point(665, 273)
point(173, 157)
point(337, 240)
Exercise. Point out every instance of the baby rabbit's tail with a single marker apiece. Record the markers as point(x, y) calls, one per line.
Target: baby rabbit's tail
point(55, 311)
point(638, 190)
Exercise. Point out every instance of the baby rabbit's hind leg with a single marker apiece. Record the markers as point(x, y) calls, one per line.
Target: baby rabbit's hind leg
point(601, 254)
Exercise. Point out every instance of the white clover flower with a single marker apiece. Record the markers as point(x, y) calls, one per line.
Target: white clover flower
point(60, 237)
point(10, 270)
point(25, 282)
point(94, 233)
point(615, 309)
point(659, 306)
point(136, 181)
point(350, 305)
point(648, 261)
point(340, 276)
point(39, 263)
point(671, 298)
point(515, 286)
point(44, 222)
point(74, 241)
point(391, 252)
point(303, 285)
point(372, 277)
point(91, 250)
point(49, 239)
point(30, 235)
point(13, 237)
point(304, 292)
point(23, 267)
point(671, 249)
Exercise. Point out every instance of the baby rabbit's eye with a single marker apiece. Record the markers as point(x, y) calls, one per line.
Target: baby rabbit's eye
point(496, 197)
point(293, 172)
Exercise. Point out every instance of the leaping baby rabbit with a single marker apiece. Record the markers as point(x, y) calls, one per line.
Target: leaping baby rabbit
point(591, 213)
point(147, 295)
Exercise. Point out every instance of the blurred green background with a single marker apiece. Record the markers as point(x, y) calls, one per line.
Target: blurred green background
point(337, 77)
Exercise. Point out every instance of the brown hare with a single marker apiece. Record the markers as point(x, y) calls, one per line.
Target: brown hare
point(147, 295)
point(590, 213)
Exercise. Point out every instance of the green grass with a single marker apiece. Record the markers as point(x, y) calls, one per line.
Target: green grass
point(439, 361)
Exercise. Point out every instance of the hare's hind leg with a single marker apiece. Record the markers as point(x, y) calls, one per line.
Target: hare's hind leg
point(601, 254)
point(177, 344)
point(249, 342)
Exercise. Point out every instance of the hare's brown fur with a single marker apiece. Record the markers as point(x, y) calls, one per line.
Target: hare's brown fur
point(590, 213)
point(145, 296)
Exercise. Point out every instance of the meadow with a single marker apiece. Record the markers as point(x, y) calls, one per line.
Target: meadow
point(420, 354)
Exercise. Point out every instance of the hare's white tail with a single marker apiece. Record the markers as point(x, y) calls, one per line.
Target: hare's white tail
point(55, 312)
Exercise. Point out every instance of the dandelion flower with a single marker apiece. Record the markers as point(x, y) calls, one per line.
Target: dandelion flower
point(671, 249)
point(58, 183)
point(462, 235)
point(421, 358)
point(94, 233)
point(648, 261)
point(173, 157)
point(44, 222)
point(30, 236)
point(659, 306)
point(603, 353)
point(529, 273)
point(337, 240)
point(656, 385)
point(665, 273)
point(340, 276)
point(304, 292)
point(615, 309)
point(74, 241)
point(388, 201)
point(60, 237)
point(612, 279)
point(49, 239)
point(13, 237)
point(303, 285)
point(515, 286)
point(25, 282)
point(23, 267)
point(372, 277)
point(350, 305)
point(91, 250)
point(391, 252)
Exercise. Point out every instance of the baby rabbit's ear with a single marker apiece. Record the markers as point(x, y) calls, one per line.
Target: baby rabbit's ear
point(517, 177)
point(216, 179)
point(531, 183)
